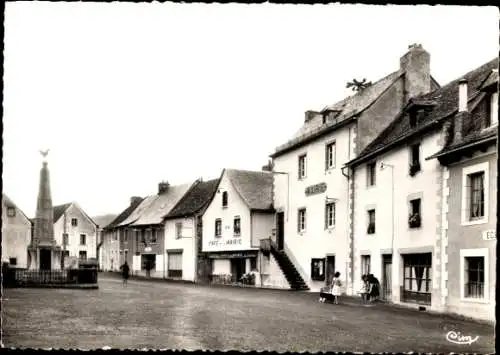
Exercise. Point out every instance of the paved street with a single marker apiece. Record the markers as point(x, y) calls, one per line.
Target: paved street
point(181, 316)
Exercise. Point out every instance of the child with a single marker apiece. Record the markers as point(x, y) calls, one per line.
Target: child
point(336, 284)
point(364, 289)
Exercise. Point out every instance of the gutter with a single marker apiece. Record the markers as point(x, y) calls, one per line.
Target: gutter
point(469, 145)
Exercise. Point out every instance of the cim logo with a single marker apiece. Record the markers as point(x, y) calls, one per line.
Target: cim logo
point(457, 338)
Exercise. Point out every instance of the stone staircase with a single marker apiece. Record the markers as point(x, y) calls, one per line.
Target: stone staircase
point(293, 277)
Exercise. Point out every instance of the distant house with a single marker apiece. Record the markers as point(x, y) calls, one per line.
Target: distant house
point(399, 232)
point(16, 234)
point(110, 248)
point(102, 221)
point(75, 232)
point(141, 234)
point(469, 193)
point(183, 233)
point(239, 215)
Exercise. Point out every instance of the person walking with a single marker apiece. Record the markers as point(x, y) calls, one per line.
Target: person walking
point(336, 285)
point(125, 273)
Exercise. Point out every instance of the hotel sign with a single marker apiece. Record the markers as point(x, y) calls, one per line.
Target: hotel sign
point(221, 243)
point(316, 189)
point(490, 235)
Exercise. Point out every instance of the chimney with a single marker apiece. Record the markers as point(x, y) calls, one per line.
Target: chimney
point(163, 187)
point(462, 110)
point(135, 199)
point(416, 66)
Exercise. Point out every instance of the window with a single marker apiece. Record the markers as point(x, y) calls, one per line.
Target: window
point(330, 156)
point(82, 255)
point(371, 222)
point(413, 117)
point(492, 118)
point(65, 239)
point(237, 226)
point(137, 237)
point(74, 222)
point(301, 220)
point(302, 166)
point(66, 254)
point(474, 277)
point(414, 159)
point(218, 227)
point(415, 220)
point(224, 199)
point(178, 230)
point(330, 215)
point(154, 235)
point(83, 239)
point(11, 212)
point(476, 203)
point(13, 261)
point(143, 236)
point(318, 269)
point(115, 235)
point(371, 172)
point(365, 264)
point(417, 278)
point(174, 264)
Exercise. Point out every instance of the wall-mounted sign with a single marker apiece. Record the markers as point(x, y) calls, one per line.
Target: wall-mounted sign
point(490, 234)
point(239, 254)
point(221, 243)
point(316, 189)
point(147, 249)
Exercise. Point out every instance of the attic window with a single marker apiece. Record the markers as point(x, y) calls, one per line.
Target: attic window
point(413, 118)
point(224, 199)
point(492, 118)
point(11, 212)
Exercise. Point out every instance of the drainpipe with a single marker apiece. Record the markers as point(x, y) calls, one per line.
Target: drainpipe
point(382, 167)
point(343, 170)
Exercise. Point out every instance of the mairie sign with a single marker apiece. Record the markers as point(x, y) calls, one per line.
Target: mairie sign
point(316, 189)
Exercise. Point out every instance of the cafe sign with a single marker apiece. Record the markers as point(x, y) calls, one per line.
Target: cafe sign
point(316, 189)
point(222, 243)
point(490, 235)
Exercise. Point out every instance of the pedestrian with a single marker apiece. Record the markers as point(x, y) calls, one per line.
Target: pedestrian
point(125, 273)
point(336, 285)
point(373, 290)
point(364, 288)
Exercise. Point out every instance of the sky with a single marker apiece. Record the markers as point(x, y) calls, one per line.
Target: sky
point(126, 95)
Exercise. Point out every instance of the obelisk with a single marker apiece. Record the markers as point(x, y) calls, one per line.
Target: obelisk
point(43, 248)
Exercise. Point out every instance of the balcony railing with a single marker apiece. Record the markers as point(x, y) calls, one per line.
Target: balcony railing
point(474, 290)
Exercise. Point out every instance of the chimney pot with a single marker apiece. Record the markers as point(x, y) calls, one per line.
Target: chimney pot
point(462, 95)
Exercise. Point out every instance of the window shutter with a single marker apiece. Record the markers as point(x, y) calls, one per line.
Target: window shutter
point(326, 216)
point(326, 157)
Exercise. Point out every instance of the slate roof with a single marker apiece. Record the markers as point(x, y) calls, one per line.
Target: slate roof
point(9, 203)
point(104, 220)
point(445, 105)
point(59, 211)
point(254, 187)
point(195, 199)
point(124, 214)
point(158, 206)
point(347, 108)
point(136, 212)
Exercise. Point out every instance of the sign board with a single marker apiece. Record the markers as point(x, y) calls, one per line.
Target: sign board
point(147, 249)
point(221, 243)
point(316, 189)
point(490, 234)
point(233, 255)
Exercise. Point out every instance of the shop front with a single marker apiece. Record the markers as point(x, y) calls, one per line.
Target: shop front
point(234, 267)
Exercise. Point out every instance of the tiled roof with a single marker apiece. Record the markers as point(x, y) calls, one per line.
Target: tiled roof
point(59, 211)
point(124, 214)
point(346, 108)
point(158, 206)
point(445, 101)
point(104, 220)
point(195, 199)
point(9, 203)
point(254, 187)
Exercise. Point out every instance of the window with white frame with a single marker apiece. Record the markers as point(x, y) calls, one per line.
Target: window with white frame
point(329, 215)
point(178, 230)
point(301, 220)
point(302, 166)
point(83, 239)
point(474, 274)
point(218, 227)
point(237, 226)
point(330, 156)
point(365, 264)
point(371, 173)
point(224, 199)
point(475, 191)
point(74, 222)
point(493, 109)
point(11, 212)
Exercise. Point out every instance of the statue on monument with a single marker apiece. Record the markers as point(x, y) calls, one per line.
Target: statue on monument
point(44, 153)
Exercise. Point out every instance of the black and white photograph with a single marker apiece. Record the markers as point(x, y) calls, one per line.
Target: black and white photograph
point(268, 177)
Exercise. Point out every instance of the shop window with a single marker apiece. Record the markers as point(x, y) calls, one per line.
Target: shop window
point(318, 269)
point(417, 278)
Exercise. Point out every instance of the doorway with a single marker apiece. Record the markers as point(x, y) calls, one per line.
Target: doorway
point(238, 266)
point(45, 259)
point(387, 277)
point(330, 268)
point(280, 230)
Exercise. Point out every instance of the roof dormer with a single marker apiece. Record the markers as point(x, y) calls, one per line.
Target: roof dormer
point(418, 109)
